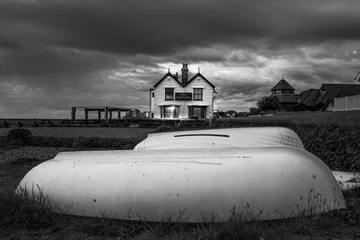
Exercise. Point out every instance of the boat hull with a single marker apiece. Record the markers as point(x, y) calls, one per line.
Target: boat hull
point(192, 185)
point(221, 138)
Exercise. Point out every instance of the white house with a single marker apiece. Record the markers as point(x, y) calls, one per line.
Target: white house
point(174, 98)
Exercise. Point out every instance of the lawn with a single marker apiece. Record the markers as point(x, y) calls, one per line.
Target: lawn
point(348, 119)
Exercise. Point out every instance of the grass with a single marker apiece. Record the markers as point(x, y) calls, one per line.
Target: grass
point(32, 216)
point(296, 120)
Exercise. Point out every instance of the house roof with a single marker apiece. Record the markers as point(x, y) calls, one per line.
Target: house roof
point(340, 90)
point(309, 97)
point(199, 75)
point(165, 77)
point(176, 79)
point(321, 98)
point(282, 85)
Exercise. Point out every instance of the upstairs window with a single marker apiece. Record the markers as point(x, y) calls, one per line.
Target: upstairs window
point(198, 94)
point(169, 94)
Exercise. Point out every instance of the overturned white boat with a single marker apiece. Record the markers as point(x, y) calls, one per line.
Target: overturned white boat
point(193, 176)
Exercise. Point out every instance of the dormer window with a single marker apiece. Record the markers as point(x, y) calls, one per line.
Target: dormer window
point(169, 94)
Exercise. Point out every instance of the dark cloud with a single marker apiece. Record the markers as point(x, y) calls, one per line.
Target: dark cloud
point(235, 89)
point(166, 26)
point(8, 44)
point(42, 62)
point(110, 52)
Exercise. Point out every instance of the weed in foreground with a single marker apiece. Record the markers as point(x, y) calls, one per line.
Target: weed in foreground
point(25, 212)
point(22, 210)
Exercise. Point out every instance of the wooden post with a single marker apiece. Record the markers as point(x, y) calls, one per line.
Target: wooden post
point(86, 114)
point(99, 114)
point(119, 113)
point(73, 114)
point(110, 111)
point(106, 114)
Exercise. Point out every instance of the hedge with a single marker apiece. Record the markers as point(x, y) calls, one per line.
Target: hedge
point(81, 142)
point(338, 147)
point(18, 136)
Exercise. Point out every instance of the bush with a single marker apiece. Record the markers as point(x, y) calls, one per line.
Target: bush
point(268, 103)
point(44, 141)
point(338, 147)
point(81, 142)
point(18, 136)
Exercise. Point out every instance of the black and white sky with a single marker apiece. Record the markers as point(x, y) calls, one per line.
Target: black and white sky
point(55, 54)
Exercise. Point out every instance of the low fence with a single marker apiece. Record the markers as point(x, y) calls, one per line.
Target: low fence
point(347, 103)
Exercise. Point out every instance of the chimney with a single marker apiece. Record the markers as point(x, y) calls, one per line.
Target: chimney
point(184, 73)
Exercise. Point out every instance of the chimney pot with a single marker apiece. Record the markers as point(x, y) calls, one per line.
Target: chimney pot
point(184, 74)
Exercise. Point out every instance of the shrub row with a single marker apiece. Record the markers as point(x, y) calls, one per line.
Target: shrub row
point(81, 142)
point(18, 136)
point(23, 137)
point(338, 147)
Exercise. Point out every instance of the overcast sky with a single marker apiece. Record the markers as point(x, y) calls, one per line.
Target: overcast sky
point(55, 54)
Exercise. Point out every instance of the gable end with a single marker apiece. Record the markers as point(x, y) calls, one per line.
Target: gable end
point(165, 77)
point(199, 75)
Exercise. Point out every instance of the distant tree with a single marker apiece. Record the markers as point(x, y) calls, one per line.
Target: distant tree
point(243, 114)
point(231, 113)
point(222, 114)
point(254, 111)
point(268, 103)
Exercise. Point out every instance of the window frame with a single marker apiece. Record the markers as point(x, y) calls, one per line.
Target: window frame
point(197, 112)
point(167, 94)
point(174, 113)
point(198, 96)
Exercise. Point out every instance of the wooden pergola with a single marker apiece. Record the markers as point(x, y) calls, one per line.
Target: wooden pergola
point(108, 110)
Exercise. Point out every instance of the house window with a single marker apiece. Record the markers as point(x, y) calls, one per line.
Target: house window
point(197, 112)
point(198, 94)
point(169, 93)
point(152, 94)
point(169, 111)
